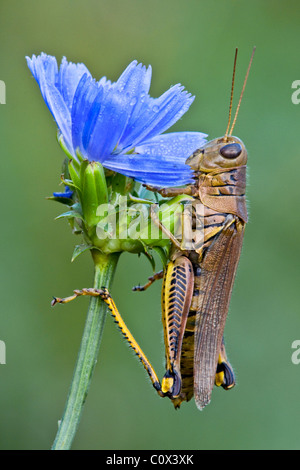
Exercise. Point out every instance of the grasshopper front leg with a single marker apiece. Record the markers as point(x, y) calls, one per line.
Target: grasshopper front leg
point(106, 297)
point(167, 232)
point(172, 192)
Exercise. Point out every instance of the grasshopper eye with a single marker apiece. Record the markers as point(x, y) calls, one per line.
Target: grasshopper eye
point(231, 150)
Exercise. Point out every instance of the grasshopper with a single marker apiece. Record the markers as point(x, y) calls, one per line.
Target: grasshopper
point(198, 279)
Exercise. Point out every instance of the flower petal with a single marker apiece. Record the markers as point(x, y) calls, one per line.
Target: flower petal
point(44, 70)
point(84, 98)
point(135, 81)
point(157, 115)
point(111, 112)
point(69, 76)
point(154, 170)
point(105, 121)
point(60, 113)
point(68, 193)
point(175, 144)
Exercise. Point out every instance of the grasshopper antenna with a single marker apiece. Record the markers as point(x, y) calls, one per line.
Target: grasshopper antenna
point(242, 92)
point(231, 95)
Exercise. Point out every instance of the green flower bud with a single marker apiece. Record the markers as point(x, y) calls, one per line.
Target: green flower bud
point(93, 192)
point(111, 219)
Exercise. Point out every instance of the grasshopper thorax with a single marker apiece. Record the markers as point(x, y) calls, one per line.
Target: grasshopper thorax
point(221, 153)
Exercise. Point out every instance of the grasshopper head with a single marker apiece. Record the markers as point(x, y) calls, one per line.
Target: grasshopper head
point(221, 153)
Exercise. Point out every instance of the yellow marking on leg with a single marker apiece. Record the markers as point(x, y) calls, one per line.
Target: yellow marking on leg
point(77, 293)
point(219, 378)
point(224, 375)
point(130, 339)
point(167, 384)
point(105, 296)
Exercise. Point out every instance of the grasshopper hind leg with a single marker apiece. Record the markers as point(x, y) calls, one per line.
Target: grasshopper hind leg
point(224, 374)
point(106, 297)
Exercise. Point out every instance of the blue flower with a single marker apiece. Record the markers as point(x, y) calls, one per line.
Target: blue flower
point(67, 194)
point(119, 124)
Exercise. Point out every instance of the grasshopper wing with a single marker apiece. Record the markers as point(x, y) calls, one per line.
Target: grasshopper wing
point(218, 266)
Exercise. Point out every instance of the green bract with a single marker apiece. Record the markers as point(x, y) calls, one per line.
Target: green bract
point(108, 210)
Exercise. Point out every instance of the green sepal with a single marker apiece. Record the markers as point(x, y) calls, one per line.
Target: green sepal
point(75, 179)
point(93, 191)
point(63, 200)
point(68, 182)
point(79, 249)
point(139, 200)
point(70, 215)
point(163, 254)
point(150, 258)
point(100, 183)
point(65, 180)
point(62, 144)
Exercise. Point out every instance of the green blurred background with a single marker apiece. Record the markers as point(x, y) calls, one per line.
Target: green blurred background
point(192, 43)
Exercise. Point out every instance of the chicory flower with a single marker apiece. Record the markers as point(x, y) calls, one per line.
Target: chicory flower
point(67, 194)
point(119, 124)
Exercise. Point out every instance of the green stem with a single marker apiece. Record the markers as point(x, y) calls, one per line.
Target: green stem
point(105, 266)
